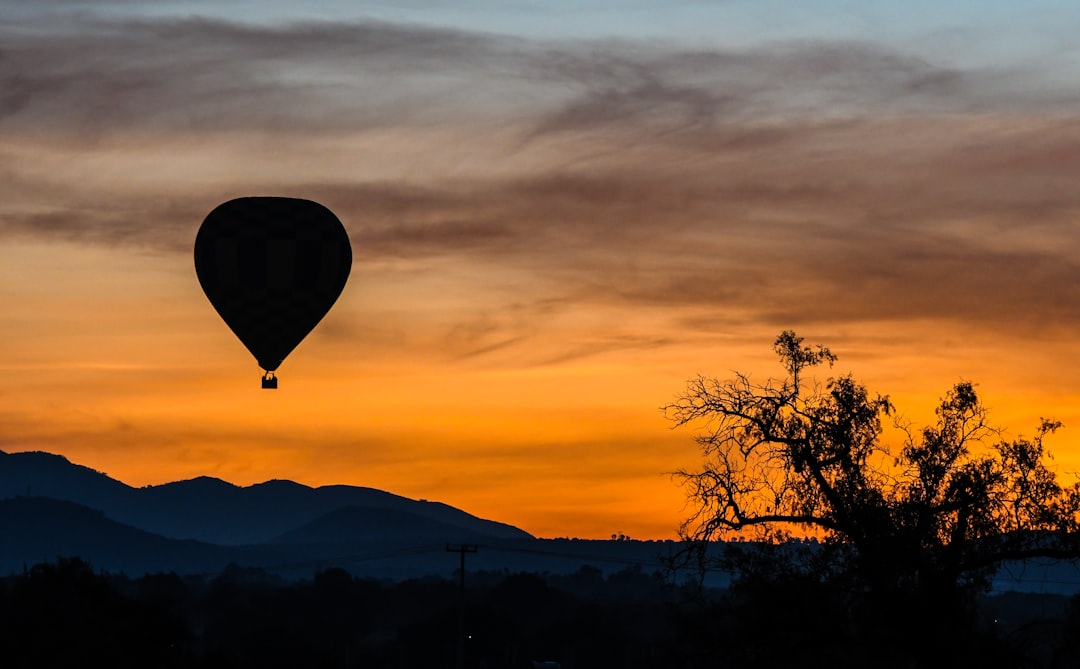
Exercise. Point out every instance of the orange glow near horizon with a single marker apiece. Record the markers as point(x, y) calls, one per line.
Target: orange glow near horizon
point(572, 448)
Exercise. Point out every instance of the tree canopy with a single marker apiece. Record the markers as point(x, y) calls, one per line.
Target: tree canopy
point(936, 513)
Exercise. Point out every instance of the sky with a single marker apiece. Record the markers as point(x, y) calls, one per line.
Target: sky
point(559, 212)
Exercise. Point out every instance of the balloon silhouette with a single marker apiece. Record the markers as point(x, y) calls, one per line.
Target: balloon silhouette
point(272, 267)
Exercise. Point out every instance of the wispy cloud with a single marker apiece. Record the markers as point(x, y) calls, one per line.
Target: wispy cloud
point(806, 180)
point(84, 77)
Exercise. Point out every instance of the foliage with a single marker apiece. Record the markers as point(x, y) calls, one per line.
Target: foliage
point(910, 533)
point(66, 614)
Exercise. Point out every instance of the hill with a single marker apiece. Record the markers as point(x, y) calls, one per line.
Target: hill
point(215, 511)
point(39, 529)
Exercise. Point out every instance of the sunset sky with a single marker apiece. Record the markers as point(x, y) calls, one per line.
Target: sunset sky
point(559, 213)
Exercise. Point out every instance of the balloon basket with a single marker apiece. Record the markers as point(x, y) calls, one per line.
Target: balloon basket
point(269, 381)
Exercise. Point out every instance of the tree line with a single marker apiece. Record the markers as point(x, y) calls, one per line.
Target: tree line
point(64, 613)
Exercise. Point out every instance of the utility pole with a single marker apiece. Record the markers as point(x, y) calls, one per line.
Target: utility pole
point(461, 549)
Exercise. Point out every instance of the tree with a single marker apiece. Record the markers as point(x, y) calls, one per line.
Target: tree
point(913, 533)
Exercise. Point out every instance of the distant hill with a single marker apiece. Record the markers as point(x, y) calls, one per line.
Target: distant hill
point(39, 529)
point(215, 511)
point(374, 542)
point(370, 525)
point(50, 508)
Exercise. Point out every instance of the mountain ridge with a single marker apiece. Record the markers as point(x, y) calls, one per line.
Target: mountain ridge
point(209, 509)
point(52, 508)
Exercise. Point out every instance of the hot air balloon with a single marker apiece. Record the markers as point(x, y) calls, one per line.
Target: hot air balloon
point(272, 267)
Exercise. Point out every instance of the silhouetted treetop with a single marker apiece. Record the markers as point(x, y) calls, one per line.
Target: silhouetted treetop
point(796, 454)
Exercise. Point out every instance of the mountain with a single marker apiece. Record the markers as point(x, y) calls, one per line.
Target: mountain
point(39, 529)
point(39, 474)
point(42, 529)
point(50, 508)
point(215, 511)
point(368, 525)
point(374, 543)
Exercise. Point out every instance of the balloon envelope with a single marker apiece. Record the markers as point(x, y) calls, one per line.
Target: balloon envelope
point(272, 267)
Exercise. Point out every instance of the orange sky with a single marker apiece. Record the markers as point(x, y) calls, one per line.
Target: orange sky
point(550, 236)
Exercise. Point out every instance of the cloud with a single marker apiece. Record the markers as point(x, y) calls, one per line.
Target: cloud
point(88, 78)
point(795, 182)
point(169, 229)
